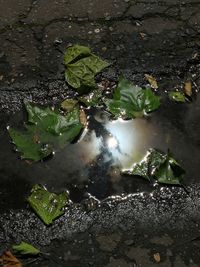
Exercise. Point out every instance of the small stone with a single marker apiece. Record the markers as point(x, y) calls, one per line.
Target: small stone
point(97, 30)
point(129, 242)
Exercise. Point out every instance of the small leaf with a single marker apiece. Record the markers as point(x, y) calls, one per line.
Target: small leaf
point(25, 248)
point(130, 101)
point(82, 66)
point(169, 172)
point(7, 259)
point(159, 166)
point(152, 81)
point(157, 257)
point(45, 131)
point(48, 206)
point(188, 88)
point(177, 96)
point(69, 104)
point(93, 99)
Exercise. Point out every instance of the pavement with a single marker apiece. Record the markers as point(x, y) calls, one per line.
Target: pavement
point(148, 36)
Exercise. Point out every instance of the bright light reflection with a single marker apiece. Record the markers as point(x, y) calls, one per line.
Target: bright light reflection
point(112, 142)
point(128, 141)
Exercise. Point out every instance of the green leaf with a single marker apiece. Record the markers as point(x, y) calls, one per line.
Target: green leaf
point(48, 206)
point(28, 146)
point(82, 66)
point(45, 131)
point(177, 96)
point(93, 99)
point(130, 101)
point(169, 172)
point(159, 166)
point(25, 249)
point(69, 104)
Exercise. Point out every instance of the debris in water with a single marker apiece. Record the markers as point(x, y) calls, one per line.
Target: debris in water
point(152, 81)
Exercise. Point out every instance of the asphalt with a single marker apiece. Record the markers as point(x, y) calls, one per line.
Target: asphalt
point(138, 37)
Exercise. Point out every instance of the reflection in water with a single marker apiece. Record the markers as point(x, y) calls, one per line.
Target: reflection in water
point(94, 163)
point(112, 143)
point(132, 139)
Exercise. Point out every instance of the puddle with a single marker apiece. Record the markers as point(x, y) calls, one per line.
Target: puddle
point(93, 164)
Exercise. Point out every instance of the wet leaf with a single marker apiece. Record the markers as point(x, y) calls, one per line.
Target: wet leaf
point(188, 88)
point(157, 257)
point(25, 249)
point(93, 99)
point(152, 81)
point(159, 166)
point(45, 130)
point(69, 104)
point(82, 66)
point(83, 118)
point(177, 96)
point(130, 101)
point(7, 259)
point(48, 206)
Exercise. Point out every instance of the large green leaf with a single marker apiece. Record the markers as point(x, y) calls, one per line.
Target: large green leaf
point(159, 166)
point(130, 101)
point(25, 249)
point(82, 66)
point(45, 131)
point(48, 206)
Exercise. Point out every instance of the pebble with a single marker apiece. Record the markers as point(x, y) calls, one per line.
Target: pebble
point(97, 30)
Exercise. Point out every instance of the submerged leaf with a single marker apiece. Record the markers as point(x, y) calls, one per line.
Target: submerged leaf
point(48, 206)
point(69, 104)
point(25, 248)
point(93, 99)
point(152, 81)
point(130, 101)
point(162, 167)
point(7, 259)
point(177, 96)
point(45, 130)
point(82, 66)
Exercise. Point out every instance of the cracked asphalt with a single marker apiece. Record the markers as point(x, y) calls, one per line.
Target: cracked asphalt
point(148, 36)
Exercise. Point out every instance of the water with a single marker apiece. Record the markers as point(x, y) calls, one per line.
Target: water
point(93, 164)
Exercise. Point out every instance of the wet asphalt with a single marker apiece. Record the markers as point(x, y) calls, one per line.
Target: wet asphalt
point(156, 37)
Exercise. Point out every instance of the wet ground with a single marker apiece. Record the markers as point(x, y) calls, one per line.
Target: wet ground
point(155, 37)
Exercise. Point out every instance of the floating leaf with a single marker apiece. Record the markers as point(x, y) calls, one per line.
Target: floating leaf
point(177, 96)
point(48, 206)
point(45, 130)
point(130, 101)
point(25, 249)
point(7, 259)
point(82, 66)
point(69, 104)
point(93, 99)
point(152, 81)
point(162, 167)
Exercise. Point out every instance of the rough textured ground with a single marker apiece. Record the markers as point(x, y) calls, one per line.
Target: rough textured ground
point(138, 37)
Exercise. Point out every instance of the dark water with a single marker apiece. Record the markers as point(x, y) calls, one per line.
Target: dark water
point(93, 164)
